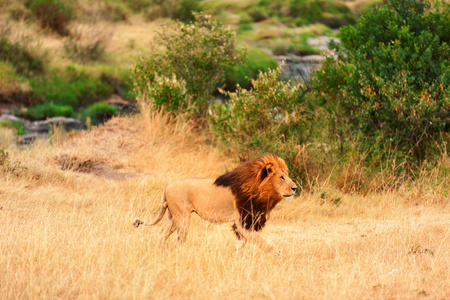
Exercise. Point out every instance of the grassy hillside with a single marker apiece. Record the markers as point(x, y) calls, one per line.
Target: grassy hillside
point(67, 211)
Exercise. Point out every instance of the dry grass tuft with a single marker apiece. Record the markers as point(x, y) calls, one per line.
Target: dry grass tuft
point(69, 234)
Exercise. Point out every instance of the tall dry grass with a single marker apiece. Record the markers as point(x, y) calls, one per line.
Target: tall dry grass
point(68, 233)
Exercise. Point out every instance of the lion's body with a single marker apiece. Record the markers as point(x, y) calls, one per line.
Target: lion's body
point(244, 196)
point(213, 203)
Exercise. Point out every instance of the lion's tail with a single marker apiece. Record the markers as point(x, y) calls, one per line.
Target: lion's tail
point(162, 211)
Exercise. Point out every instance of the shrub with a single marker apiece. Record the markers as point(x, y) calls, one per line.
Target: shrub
point(393, 84)
point(255, 61)
point(197, 54)
point(99, 112)
point(53, 14)
point(270, 117)
point(87, 42)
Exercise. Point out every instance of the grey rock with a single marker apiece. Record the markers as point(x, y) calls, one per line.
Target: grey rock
point(43, 127)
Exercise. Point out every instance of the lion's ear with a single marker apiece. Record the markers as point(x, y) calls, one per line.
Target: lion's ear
point(266, 170)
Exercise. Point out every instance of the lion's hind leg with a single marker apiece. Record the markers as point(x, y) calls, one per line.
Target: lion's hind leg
point(183, 228)
point(168, 228)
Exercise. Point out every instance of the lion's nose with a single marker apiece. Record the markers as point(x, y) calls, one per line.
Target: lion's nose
point(294, 189)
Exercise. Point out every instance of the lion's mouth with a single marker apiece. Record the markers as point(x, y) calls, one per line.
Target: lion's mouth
point(287, 196)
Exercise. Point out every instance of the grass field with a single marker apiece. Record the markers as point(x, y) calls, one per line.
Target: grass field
point(66, 228)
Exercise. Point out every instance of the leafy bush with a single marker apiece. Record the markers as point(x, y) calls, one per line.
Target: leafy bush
point(270, 117)
point(99, 112)
point(87, 42)
point(197, 54)
point(53, 14)
point(255, 61)
point(72, 87)
point(46, 110)
point(393, 84)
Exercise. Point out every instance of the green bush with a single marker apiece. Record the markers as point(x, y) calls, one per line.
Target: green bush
point(53, 14)
point(255, 61)
point(393, 83)
point(71, 87)
point(197, 54)
point(46, 110)
point(270, 117)
point(99, 112)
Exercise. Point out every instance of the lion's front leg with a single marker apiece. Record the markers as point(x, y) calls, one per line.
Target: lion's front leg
point(253, 236)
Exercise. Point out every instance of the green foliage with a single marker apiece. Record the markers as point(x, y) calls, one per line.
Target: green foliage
point(99, 112)
point(16, 125)
point(270, 117)
point(196, 55)
point(53, 14)
point(47, 110)
point(255, 61)
point(71, 87)
point(393, 84)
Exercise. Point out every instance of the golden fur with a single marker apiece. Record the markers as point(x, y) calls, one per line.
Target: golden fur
point(244, 196)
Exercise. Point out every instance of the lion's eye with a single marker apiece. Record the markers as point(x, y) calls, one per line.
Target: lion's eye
point(282, 178)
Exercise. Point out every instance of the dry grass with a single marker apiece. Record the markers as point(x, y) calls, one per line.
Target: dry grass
point(69, 234)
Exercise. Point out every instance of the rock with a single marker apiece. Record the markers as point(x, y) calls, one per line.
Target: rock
point(42, 127)
point(6, 117)
point(299, 68)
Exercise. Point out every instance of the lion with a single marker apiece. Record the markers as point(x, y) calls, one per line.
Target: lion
point(245, 196)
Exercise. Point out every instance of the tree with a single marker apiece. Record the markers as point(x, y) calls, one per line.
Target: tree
point(195, 56)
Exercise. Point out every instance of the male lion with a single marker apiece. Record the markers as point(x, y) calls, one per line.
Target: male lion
point(244, 196)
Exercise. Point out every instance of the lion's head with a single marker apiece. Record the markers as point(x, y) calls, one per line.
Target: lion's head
point(258, 185)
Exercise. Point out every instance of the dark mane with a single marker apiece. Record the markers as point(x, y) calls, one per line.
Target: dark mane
point(251, 184)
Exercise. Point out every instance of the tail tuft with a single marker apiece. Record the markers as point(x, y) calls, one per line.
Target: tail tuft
point(137, 223)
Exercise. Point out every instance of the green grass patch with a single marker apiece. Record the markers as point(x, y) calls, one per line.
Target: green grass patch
point(255, 61)
point(46, 110)
point(23, 60)
point(99, 112)
point(15, 125)
point(71, 87)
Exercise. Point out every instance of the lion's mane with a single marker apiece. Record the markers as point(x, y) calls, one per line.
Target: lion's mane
point(253, 186)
